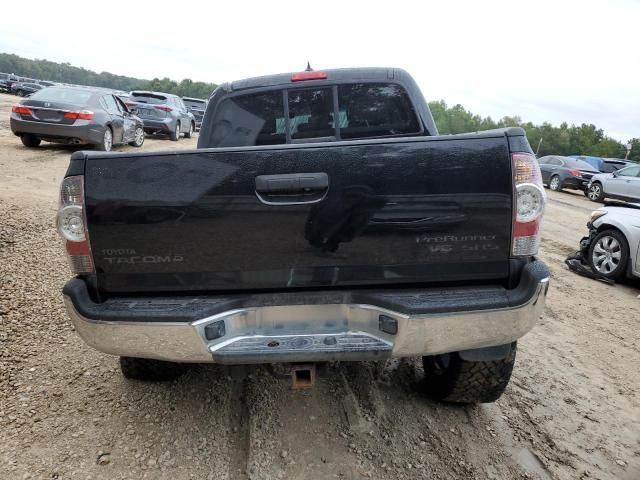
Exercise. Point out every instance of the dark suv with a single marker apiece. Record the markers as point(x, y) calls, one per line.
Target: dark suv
point(163, 113)
point(197, 106)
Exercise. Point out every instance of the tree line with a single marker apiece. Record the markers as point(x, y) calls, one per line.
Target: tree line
point(545, 139)
point(67, 73)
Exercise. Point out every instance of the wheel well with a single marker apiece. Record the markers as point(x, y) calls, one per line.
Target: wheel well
point(608, 226)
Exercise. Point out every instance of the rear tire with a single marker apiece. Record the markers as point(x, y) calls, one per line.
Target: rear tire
point(555, 184)
point(449, 378)
point(107, 141)
point(190, 132)
point(175, 136)
point(148, 370)
point(30, 141)
point(20, 93)
point(596, 192)
point(139, 138)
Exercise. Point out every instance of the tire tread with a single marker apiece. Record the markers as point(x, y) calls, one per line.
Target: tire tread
point(471, 381)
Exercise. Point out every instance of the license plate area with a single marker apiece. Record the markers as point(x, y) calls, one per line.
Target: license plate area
point(48, 115)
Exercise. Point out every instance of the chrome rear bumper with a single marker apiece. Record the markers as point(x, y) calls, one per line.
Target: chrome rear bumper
point(308, 333)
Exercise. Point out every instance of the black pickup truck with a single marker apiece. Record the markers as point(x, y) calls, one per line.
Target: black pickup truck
point(322, 218)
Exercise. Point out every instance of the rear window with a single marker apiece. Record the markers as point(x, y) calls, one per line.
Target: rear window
point(581, 165)
point(200, 105)
point(62, 95)
point(311, 113)
point(245, 120)
point(148, 98)
point(610, 167)
point(375, 110)
point(362, 110)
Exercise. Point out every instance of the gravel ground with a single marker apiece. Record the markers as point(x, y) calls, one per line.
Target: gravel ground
point(572, 409)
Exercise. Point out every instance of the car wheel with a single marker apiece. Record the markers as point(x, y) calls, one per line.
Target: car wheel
point(175, 136)
point(138, 137)
point(190, 132)
point(555, 184)
point(450, 378)
point(30, 141)
point(609, 253)
point(595, 192)
point(107, 141)
point(20, 93)
point(149, 370)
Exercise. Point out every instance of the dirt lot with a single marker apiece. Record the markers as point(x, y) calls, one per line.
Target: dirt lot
point(572, 409)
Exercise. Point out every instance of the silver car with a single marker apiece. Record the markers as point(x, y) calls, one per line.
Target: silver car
point(623, 184)
point(163, 113)
point(613, 246)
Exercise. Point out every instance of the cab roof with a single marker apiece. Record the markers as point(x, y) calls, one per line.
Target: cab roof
point(333, 75)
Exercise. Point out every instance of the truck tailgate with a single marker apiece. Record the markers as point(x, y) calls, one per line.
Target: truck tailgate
point(402, 211)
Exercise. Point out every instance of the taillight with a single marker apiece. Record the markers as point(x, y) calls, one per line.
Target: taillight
point(21, 110)
point(71, 223)
point(575, 173)
point(83, 115)
point(529, 201)
point(302, 76)
point(164, 108)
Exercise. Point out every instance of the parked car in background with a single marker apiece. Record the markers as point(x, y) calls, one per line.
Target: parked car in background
point(565, 172)
point(6, 80)
point(163, 113)
point(603, 165)
point(24, 89)
point(622, 184)
point(21, 80)
point(46, 83)
point(197, 106)
point(612, 248)
point(76, 116)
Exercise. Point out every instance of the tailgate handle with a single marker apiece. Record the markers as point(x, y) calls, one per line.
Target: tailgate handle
point(292, 188)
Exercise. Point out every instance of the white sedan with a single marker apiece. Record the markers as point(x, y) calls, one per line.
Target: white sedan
point(613, 246)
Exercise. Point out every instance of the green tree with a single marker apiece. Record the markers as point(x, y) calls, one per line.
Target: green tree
point(565, 139)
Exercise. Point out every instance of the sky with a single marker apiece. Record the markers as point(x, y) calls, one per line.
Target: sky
point(554, 61)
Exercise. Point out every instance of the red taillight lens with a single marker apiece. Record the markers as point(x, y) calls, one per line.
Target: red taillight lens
point(164, 108)
point(71, 223)
point(83, 115)
point(21, 110)
point(575, 173)
point(302, 76)
point(529, 201)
